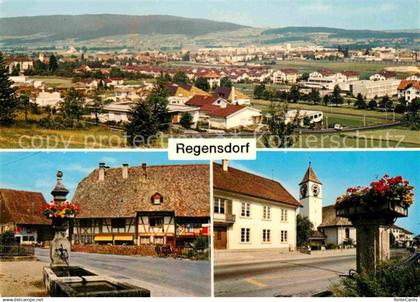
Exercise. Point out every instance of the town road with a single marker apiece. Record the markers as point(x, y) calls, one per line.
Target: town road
point(162, 276)
point(299, 277)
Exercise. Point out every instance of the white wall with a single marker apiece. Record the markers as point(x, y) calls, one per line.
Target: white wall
point(312, 205)
point(257, 224)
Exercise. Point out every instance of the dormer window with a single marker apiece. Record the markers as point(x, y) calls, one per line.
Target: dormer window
point(157, 199)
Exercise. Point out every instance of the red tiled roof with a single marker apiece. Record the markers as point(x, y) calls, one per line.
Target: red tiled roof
point(22, 207)
point(201, 100)
point(241, 182)
point(387, 74)
point(289, 70)
point(350, 73)
point(326, 72)
point(218, 111)
point(404, 84)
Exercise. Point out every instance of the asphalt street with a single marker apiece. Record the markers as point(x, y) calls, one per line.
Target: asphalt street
point(162, 276)
point(303, 277)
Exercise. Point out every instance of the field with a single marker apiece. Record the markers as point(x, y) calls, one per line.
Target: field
point(55, 82)
point(365, 69)
point(33, 137)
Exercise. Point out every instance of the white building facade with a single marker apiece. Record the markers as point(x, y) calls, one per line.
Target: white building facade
point(244, 216)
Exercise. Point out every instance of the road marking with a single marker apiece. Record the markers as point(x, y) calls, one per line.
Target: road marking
point(255, 282)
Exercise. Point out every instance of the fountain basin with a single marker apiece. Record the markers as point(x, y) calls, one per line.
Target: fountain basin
point(99, 288)
point(75, 281)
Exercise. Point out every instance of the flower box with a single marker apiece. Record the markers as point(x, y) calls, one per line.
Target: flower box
point(380, 209)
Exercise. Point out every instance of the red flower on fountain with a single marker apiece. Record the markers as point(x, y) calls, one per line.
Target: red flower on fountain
point(60, 210)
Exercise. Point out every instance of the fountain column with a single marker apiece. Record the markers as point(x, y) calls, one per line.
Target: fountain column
point(60, 245)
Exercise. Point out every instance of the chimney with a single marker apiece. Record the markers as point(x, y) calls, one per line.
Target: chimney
point(233, 95)
point(125, 171)
point(101, 172)
point(225, 165)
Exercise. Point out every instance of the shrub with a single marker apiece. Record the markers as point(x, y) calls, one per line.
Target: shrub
point(392, 279)
point(7, 238)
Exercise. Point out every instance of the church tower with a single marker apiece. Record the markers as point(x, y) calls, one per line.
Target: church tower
point(311, 197)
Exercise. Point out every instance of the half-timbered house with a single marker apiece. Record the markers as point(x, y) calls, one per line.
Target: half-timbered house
point(167, 204)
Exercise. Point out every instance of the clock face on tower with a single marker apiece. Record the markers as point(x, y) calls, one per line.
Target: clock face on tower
point(315, 190)
point(303, 190)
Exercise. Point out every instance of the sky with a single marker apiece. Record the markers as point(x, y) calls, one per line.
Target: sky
point(351, 14)
point(36, 171)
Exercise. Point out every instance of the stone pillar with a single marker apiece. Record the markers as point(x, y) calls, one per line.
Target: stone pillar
point(60, 245)
point(372, 244)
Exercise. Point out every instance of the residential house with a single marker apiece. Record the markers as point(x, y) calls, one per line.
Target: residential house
point(23, 64)
point(383, 75)
point(251, 212)
point(220, 114)
point(20, 213)
point(176, 111)
point(403, 237)
point(233, 95)
point(409, 90)
point(46, 98)
point(179, 94)
point(325, 79)
point(286, 75)
point(120, 111)
point(142, 205)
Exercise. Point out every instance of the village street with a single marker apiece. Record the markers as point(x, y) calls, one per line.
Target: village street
point(298, 275)
point(162, 276)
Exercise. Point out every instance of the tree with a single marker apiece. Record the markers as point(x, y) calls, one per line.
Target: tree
point(326, 100)
point(259, 91)
point(413, 115)
point(303, 230)
point(336, 97)
point(225, 82)
point(186, 57)
point(294, 94)
point(314, 96)
point(25, 103)
point(181, 78)
point(386, 103)
point(7, 238)
point(158, 101)
point(72, 106)
point(53, 65)
point(8, 100)
point(98, 105)
point(143, 125)
point(372, 104)
point(202, 83)
point(15, 70)
point(280, 131)
point(360, 102)
point(186, 120)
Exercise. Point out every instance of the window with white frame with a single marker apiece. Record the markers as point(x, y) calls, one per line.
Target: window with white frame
point(283, 236)
point(246, 209)
point(219, 206)
point(266, 235)
point(283, 215)
point(266, 212)
point(245, 232)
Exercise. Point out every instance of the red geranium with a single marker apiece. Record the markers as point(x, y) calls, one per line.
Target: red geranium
point(60, 210)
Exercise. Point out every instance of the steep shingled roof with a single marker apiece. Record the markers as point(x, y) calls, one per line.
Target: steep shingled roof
point(185, 190)
point(330, 219)
point(22, 207)
point(310, 176)
point(241, 182)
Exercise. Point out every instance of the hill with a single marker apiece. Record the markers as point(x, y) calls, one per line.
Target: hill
point(83, 27)
point(343, 33)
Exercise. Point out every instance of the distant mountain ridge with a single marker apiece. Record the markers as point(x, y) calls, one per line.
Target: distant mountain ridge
point(83, 27)
point(343, 33)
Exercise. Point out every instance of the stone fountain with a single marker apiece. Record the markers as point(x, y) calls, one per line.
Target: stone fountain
point(63, 280)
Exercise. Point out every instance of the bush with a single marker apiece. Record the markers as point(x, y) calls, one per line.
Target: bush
point(7, 238)
point(400, 108)
point(200, 244)
point(392, 279)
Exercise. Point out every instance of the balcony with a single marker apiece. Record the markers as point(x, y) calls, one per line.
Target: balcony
point(224, 218)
